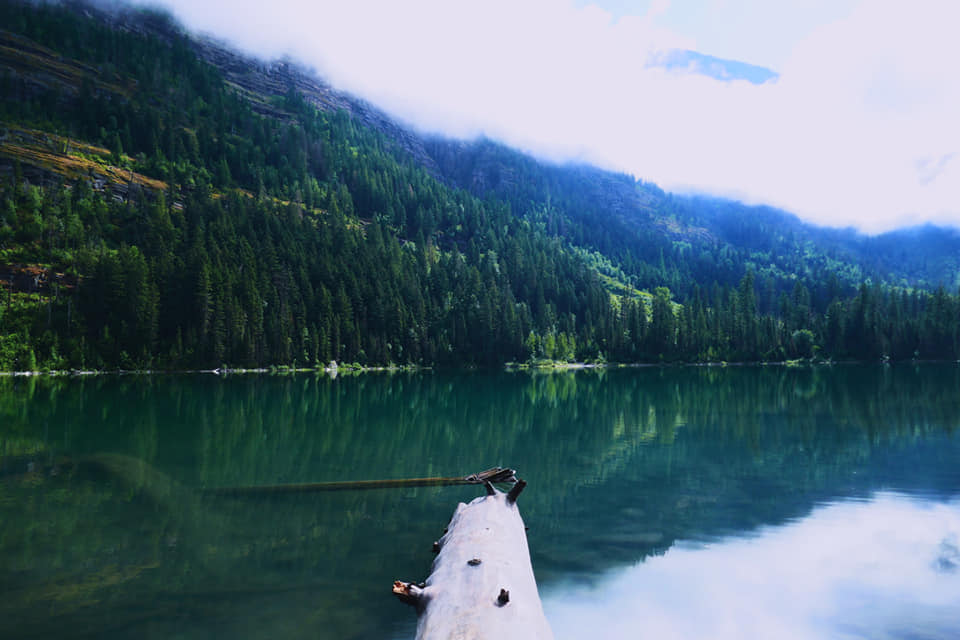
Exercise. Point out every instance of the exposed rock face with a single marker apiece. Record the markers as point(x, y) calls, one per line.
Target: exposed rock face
point(257, 79)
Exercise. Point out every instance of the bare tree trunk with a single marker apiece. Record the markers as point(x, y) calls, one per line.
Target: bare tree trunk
point(482, 583)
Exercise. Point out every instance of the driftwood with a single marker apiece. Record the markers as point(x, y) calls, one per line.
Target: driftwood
point(482, 583)
point(496, 475)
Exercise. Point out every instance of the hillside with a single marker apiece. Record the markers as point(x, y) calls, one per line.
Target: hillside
point(167, 202)
point(699, 240)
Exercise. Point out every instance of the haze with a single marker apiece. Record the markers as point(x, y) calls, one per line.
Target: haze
point(859, 128)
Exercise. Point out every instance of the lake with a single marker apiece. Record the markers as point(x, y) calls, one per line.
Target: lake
point(721, 502)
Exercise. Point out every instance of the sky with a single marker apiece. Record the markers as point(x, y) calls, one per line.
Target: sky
point(859, 127)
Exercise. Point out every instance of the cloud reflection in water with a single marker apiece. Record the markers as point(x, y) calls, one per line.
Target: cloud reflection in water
point(888, 567)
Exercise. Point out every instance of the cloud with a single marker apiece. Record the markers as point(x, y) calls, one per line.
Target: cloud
point(863, 108)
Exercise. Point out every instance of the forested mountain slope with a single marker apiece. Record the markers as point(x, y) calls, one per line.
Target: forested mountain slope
point(682, 241)
point(165, 202)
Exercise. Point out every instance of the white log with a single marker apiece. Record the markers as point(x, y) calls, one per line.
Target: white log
point(482, 584)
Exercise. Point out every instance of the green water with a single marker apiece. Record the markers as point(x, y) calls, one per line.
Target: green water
point(653, 476)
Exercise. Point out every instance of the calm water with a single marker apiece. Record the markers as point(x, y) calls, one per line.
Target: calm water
point(667, 503)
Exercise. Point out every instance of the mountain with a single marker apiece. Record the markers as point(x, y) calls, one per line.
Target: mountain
point(168, 202)
point(699, 240)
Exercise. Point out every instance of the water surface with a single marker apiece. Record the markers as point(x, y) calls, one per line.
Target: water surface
point(678, 503)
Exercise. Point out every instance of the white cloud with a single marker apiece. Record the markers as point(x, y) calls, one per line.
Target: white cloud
point(853, 132)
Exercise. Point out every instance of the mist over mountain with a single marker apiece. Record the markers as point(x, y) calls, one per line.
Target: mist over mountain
point(168, 201)
point(856, 130)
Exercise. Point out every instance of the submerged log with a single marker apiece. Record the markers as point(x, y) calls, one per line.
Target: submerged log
point(482, 583)
point(496, 474)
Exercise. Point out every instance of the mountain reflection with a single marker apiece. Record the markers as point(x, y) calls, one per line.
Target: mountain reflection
point(622, 464)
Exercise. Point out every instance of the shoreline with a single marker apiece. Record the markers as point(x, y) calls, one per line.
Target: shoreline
point(332, 371)
point(337, 370)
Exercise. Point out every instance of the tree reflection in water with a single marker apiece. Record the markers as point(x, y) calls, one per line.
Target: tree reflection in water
point(622, 464)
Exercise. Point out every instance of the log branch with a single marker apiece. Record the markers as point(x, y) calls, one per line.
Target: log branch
point(407, 592)
point(515, 491)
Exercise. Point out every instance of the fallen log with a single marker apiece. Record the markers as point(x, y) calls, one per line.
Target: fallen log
point(481, 584)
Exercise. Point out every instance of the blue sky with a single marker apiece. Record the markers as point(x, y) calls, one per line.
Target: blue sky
point(760, 33)
point(859, 128)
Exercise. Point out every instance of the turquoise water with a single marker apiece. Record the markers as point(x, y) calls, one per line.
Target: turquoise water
point(671, 503)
